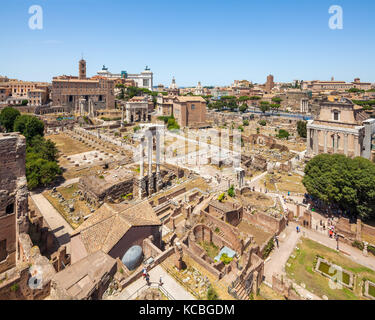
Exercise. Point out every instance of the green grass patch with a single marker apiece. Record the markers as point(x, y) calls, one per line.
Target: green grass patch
point(301, 270)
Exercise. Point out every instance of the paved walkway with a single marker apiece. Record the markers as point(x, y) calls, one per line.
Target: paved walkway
point(69, 182)
point(60, 228)
point(169, 284)
point(277, 260)
point(288, 240)
point(275, 263)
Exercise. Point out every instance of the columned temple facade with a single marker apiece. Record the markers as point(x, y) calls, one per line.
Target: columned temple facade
point(341, 127)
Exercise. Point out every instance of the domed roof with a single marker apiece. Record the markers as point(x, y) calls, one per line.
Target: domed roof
point(133, 257)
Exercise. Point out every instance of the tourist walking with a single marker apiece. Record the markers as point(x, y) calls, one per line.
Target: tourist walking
point(276, 240)
point(148, 279)
point(160, 281)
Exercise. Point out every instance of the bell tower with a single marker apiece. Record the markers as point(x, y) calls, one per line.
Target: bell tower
point(82, 69)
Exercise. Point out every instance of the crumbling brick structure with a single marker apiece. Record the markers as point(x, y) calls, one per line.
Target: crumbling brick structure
point(13, 197)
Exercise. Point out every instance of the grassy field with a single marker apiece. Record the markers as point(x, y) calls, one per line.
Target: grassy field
point(300, 269)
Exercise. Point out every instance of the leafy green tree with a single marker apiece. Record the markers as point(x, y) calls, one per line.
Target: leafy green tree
point(221, 197)
point(243, 107)
point(7, 118)
point(172, 124)
point(29, 126)
point(348, 183)
point(231, 192)
point(277, 100)
point(264, 106)
point(262, 122)
point(355, 90)
point(243, 98)
point(246, 123)
point(302, 128)
point(274, 107)
point(40, 172)
point(283, 134)
point(44, 149)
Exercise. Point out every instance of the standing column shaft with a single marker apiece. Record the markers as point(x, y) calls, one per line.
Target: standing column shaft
point(141, 171)
point(346, 144)
point(325, 141)
point(308, 141)
point(150, 156)
point(157, 151)
point(335, 142)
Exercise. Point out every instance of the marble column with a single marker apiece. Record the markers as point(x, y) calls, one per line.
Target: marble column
point(150, 147)
point(356, 154)
point(335, 143)
point(346, 144)
point(316, 141)
point(141, 185)
point(308, 141)
point(325, 141)
point(159, 182)
point(122, 116)
point(141, 171)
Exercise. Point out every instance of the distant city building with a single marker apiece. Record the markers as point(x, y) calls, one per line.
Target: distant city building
point(142, 80)
point(190, 111)
point(199, 90)
point(164, 105)
point(13, 92)
point(72, 92)
point(341, 127)
point(173, 88)
point(317, 85)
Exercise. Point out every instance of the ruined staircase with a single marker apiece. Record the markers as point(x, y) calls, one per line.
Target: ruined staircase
point(240, 292)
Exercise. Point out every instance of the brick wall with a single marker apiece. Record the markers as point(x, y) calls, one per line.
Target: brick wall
point(271, 224)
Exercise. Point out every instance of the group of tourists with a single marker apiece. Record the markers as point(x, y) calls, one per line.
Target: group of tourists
point(146, 276)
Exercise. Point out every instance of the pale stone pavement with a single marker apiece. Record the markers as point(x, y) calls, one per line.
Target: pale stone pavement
point(60, 228)
point(278, 258)
point(169, 284)
point(288, 240)
point(275, 263)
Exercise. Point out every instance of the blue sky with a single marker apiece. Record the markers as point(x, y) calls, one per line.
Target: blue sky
point(212, 41)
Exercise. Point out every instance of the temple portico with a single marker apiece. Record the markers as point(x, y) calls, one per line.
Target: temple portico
point(341, 127)
point(325, 139)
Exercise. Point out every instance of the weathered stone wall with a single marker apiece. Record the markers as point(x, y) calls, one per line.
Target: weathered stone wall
point(271, 224)
point(13, 196)
point(231, 233)
point(135, 236)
